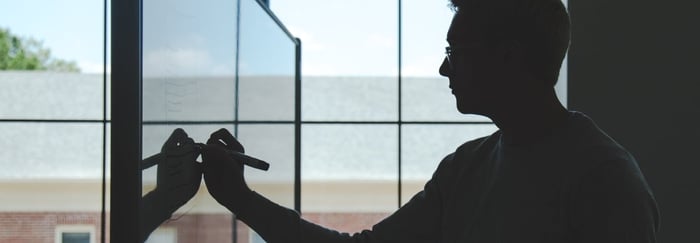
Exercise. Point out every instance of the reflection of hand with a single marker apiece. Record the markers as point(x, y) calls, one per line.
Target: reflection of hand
point(179, 175)
point(222, 174)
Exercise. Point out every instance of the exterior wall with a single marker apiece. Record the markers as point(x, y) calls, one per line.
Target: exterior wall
point(40, 227)
point(32, 209)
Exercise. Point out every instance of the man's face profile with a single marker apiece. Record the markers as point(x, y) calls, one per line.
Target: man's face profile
point(472, 65)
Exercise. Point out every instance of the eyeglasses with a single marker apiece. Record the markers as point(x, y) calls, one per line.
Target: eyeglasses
point(448, 56)
point(450, 51)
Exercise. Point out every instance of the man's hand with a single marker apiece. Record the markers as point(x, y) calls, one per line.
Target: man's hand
point(222, 174)
point(179, 175)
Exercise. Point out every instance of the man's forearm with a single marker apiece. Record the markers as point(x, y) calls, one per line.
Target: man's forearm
point(279, 224)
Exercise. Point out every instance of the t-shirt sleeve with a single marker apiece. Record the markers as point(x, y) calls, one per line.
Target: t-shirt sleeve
point(614, 204)
point(417, 221)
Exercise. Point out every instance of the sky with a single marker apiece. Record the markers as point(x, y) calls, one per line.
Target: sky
point(367, 44)
point(339, 37)
point(71, 29)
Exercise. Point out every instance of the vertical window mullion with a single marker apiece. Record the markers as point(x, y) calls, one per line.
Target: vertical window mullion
point(399, 124)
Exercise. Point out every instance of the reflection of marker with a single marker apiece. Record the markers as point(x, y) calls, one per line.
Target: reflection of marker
point(151, 161)
point(247, 160)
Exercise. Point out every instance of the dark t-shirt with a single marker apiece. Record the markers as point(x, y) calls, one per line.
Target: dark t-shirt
point(573, 185)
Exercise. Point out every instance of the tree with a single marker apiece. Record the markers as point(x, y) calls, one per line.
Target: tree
point(18, 53)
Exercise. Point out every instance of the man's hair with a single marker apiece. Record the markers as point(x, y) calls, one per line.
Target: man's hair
point(540, 26)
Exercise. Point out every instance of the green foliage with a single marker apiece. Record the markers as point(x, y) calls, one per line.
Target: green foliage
point(18, 53)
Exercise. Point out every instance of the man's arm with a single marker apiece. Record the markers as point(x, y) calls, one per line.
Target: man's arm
point(615, 204)
point(417, 221)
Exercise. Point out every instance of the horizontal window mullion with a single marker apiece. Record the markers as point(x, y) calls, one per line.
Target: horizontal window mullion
point(213, 122)
point(52, 121)
point(400, 122)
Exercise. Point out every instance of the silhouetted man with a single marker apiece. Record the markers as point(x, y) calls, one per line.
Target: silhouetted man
point(547, 175)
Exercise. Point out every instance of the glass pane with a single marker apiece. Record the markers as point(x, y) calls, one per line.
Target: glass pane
point(424, 146)
point(339, 42)
point(189, 67)
point(350, 63)
point(430, 99)
point(189, 60)
point(201, 217)
point(275, 145)
point(53, 69)
point(347, 98)
point(57, 161)
point(50, 95)
point(35, 151)
point(188, 99)
point(349, 168)
point(267, 67)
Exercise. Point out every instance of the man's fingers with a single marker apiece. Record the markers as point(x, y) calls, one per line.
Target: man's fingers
point(216, 156)
point(177, 135)
point(224, 137)
point(222, 133)
point(177, 138)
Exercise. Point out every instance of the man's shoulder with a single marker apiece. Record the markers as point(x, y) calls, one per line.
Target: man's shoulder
point(470, 152)
point(591, 149)
point(587, 138)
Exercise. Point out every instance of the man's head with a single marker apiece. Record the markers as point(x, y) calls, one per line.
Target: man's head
point(502, 48)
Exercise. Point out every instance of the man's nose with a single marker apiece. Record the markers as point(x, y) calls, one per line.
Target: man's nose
point(444, 68)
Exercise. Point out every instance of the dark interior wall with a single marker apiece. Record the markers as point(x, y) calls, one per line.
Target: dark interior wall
point(633, 67)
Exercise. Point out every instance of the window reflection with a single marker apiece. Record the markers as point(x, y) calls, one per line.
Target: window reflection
point(202, 71)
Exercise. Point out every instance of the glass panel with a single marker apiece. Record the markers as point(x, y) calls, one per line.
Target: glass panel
point(344, 98)
point(349, 62)
point(267, 67)
point(275, 145)
point(54, 68)
point(50, 95)
point(336, 42)
point(188, 99)
point(192, 220)
point(349, 168)
point(57, 161)
point(189, 60)
point(33, 151)
point(430, 99)
point(424, 146)
point(189, 67)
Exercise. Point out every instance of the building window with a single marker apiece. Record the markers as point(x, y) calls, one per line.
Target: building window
point(75, 234)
